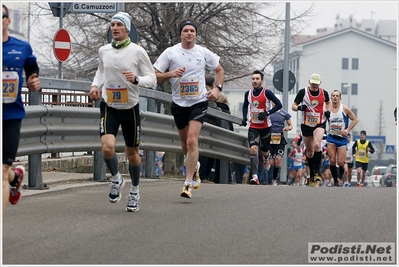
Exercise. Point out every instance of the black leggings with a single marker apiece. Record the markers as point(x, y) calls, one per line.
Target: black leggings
point(11, 136)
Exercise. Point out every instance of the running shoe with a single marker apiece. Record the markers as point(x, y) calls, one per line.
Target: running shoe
point(254, 180)
point(196, 178)
point(115, 193)
point(133, 202)
point(15, 191)
point(186, 192)
point(361, 185)
point(317, 178)
point(358, 185)
point(274, 182)
point(336, 184)
point(312, 182)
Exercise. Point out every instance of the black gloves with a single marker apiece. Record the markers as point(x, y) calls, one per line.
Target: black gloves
point(244, 122)
point(302, 108)
point(327, 114)
point(263, 115)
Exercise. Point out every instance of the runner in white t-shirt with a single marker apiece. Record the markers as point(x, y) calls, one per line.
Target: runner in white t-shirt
point(184, 65)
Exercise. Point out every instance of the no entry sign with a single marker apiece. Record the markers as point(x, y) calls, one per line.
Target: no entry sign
point(62, 45)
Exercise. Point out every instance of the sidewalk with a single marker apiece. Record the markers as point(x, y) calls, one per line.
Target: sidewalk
point(55, 181)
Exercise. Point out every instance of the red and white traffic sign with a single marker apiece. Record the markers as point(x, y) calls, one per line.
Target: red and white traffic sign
point(62, 45)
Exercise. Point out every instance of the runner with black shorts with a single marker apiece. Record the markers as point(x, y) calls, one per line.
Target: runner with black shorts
point(314, 102)
point(259, 102)
point(281, 122)
point(17, 59)
point(123, 67)
point(184, 66)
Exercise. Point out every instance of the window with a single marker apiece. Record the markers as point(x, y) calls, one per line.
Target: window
point(354, 110)
point(345, 63)
point(355, 63)
point(354, 89)
point(344, 89)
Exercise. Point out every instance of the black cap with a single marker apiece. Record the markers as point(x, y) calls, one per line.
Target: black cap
point(363, 132)
point(187, 22)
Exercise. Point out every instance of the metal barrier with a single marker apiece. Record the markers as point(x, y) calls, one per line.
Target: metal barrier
point(50, 129)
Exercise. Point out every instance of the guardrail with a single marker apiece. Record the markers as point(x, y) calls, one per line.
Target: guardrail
point(49, 129)
point(53, 129)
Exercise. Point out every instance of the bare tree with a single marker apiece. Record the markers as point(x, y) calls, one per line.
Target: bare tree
point(379, 129)
point(238, 32)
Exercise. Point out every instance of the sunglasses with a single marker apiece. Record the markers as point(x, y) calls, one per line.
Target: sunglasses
point(5, 16)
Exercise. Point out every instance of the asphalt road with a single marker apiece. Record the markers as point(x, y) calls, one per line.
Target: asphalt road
point(221, 224)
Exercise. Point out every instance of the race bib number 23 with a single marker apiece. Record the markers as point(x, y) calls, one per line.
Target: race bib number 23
point(10, 81)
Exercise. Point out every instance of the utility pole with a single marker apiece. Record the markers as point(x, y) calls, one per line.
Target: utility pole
point(283, 170)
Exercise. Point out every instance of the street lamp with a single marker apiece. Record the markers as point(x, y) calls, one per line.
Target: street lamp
point(348, 87)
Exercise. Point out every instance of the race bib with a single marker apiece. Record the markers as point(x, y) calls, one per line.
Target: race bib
point(335, 129)
point(275, 138)
point(10, 86)
point(348, 158)
point(189, 88)
point(362, 154)
point(254, 115)
point(117, 94)
point(312, 118)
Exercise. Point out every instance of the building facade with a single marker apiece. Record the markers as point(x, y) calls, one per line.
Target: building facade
point(360, 61)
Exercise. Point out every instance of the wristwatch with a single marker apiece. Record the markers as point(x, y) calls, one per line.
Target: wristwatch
point(136, 80)
point(220, 87)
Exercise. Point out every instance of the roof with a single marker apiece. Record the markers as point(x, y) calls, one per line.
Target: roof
point(351, 29)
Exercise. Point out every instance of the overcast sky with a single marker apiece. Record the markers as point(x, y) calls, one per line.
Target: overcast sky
point(327, 11)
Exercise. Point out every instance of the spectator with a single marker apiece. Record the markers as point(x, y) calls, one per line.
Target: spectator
point(208, 163)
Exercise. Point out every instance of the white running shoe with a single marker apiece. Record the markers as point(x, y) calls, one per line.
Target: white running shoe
point(196, 178)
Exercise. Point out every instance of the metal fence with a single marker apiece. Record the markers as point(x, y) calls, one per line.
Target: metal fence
point(52, 129)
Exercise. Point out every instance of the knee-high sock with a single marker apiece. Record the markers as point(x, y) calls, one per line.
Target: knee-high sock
point(112, 165)
point(275, 171)
point(333, 170)
point(317, 161)
point(311, 166)
point(134, 174)
point(254, 160)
